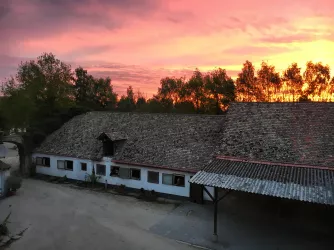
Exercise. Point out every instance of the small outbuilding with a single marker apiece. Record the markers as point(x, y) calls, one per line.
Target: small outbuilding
point(4, 173)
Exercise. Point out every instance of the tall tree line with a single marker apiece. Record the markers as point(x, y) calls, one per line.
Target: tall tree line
point(46, 92)
point(291, 85)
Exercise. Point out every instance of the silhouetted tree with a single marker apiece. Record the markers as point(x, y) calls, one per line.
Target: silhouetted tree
point(293, 80)
point(155, 105)
point(104, 95)
point(127, 103)
point(330, 90)
point(40, 98)
point(42, 87)
point(317, 77)
point(140, 103)
point(219, 87)
point(194, 89)
point(269, 79)
point(185, 107)
point(170, 88)
point(246, 84)
point(84, 88)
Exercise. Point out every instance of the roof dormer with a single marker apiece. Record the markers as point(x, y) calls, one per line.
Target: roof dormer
point(111, 141)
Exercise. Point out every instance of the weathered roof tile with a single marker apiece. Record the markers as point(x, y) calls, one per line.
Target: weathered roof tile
point(184, 142)
point(299, 133)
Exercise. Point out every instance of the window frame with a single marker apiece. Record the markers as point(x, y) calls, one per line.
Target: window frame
point(153, 172)
point(68, 169)
point(121, 169)
point(65, 165)
point(173, 179)
point(182, 176)
point(83, 164)
point(47, 159)
point(58, 161)
point(105, 169)
point(134, 178)
point(43, 160)
point(112, 171)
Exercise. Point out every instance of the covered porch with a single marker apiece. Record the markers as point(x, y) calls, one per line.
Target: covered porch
point(286, 181)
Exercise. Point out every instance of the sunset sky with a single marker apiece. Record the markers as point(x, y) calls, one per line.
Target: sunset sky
point(139, 41)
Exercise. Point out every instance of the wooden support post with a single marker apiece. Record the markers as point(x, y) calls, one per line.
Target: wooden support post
point(215, 217)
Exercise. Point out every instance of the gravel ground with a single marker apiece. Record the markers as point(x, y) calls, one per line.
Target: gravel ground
point(60, 217)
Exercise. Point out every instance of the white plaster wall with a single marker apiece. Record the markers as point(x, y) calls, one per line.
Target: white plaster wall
point(76, 174)
point(3, 177)
point(206, 196)
point(2, 182)
point(142, 183)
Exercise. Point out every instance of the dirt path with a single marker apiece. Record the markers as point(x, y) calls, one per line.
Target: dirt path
point(59, 217)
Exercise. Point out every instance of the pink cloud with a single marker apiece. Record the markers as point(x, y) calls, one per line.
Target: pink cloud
point(161, 36)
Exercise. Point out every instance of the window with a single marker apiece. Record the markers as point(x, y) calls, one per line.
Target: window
point(68, 165)
point(153, 177)
point(173, 179)
point(43, 161)
point(100, 169)
point(124, 173)
point(61, 164)
point(178, 180)
point(46, 161)
point(114, 171)
point(135, 173)
point(167, 179)
point(83, 166)
point(39, 161)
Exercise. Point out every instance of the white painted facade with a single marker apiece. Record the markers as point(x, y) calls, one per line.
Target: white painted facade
point(78, 174)
point(3, 150)
point(3, 177)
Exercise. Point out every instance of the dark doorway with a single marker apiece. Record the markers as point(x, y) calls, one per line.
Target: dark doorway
point(196, 193)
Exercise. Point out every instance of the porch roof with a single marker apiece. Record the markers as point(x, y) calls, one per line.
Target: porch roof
point(304, 183)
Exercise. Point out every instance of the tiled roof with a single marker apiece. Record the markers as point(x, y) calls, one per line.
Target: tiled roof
point(299, 183)
point(184, 142)
point(300, 133)
point(115, 135)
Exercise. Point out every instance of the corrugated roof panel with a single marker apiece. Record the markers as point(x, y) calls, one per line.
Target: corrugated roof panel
point(298, 183)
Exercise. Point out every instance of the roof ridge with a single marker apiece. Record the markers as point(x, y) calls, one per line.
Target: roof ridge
point(157, 114)
point(231, 158)
point(282, 103)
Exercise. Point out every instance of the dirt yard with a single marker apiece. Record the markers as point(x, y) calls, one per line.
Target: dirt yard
point(60, 217)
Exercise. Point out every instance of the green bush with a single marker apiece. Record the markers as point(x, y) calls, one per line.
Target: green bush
point(92, 178)
point(13, 183)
